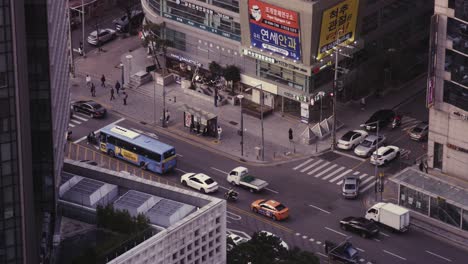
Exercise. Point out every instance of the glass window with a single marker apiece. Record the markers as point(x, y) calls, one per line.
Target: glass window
point(465, 220)
point(155, 5)
point(5, 151)
point(457, 32)
point(456, 95)
point(176, 38)
point(414, 200)
point(232, 5)
point(445, 212)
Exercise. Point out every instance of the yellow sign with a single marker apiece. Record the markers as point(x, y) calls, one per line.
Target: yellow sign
point(126, 154)
point(338, 26)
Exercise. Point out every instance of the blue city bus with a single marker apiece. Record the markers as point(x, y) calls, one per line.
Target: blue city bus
point(136, 148)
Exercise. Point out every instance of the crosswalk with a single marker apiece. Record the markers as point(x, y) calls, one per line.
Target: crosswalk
point(407, 123)
point(333, 173)
point(77, 119)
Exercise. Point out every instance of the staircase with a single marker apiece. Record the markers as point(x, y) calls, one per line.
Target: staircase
point(138, 79)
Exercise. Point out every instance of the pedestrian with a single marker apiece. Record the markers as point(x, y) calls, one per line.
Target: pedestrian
point(363, 103)
point(88, 80)
point(103, 81)
point(290, 134)
point(117, 87)
point(112, 94)
point(80, 49)
point(421, 166)
point(168, 116)
point(93, 90)
point(216, 98)
point(220, 131)
point(125, 98)
point(192, 127)
point(425, 166)
point(198, 127)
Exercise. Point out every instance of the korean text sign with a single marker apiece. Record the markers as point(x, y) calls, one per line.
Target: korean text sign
point(274, 29)
point(341, 17)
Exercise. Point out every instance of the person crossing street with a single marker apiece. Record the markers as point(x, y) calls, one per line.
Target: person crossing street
point(220, 131)
point(93, 90)
point(112, 94)
point(103, 81)
point(117, 87)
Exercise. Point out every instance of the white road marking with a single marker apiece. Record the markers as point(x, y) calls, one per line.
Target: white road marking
point(71, 125)
point(318, 168)
point(75, 121)
point(349, 155)
point(341, 181)
point(360, 249)
point(218, 170)
point(362, 260)
point(79, 117)
point(393, 254)
point(366, 180)
point(363, 176)
point(321, 254)
point(304, 237)
point(341, 175)
point(333, 230)
point(310, 166)
point(311, 240)
point(298, 234)
point(177, 169)
point(233, 216)
point(324, 171)
point(318, 208)
point(356, 173)
point(382, 233)
point(439, 256)
point(222, 187)
point(302, 164)
point(366, 188)
point(178, 155)
point(273, 191)
point(333, 173)
point(375, 239)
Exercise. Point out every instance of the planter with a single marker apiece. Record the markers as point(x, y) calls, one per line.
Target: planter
point(166, 80)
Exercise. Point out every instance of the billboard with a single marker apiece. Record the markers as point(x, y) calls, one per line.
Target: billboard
point(342, 16)
point(274, 29)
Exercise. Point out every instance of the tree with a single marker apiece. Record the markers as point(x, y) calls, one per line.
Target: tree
point(153, 38)
point(215, 69)
point(232, 75)
point(127, 6)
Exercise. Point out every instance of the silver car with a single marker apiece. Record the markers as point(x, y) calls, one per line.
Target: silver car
point(420, 131)
point(369, 145)
point(350, 188)
point(105, 35)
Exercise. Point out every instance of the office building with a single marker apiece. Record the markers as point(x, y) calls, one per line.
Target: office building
point(34, 100)
point(285, 48)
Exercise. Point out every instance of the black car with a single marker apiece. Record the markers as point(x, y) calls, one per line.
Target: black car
point(364, 227)
point(90, 108)
point(382, 117)
point(121, 23)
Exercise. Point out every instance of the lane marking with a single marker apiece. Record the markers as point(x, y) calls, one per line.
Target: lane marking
point(318, 168)
point(177, 169)
point(310, 166)
point(79, 117)
point(360, 249)
point(178, 155)
point(218, 170)
point(71, 125)
point(362, 176)
point(333, 230)
point(318, 208)
point(439, 256)
point(375, 239)
point(393, 254)
point(382, 233)
point(367, 187)
point(302, 164)
point(321, 254)
point(233, 216)
point(368, 179)
point(333, 173)
point(325, 171)
point(273, 191)
point(341, 181)
point(75, 121)
point(341, 175)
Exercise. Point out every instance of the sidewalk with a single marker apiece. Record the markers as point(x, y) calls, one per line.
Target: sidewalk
point(142, 102)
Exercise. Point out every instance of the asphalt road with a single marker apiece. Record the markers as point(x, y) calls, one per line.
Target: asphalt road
point(315, 204)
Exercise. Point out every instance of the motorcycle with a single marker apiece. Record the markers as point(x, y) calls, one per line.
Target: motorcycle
point(92, 139)
point(231, 195)
point(396, 121)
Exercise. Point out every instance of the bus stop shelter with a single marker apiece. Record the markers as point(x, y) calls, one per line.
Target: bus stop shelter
point(443, 198)
point(200, 120)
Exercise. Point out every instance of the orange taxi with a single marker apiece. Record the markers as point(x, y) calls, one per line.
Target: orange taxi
point(270, 208)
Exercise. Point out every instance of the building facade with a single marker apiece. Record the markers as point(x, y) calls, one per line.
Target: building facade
point(285, 48)
point(34, 96)
point(448, 89)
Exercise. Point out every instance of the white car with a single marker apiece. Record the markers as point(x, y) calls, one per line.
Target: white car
point(199, 181)
point(351, 139)
point(105, 35)
point(236, 240)
point(384, 155)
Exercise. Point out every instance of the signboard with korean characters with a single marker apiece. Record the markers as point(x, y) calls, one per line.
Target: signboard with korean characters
point(274, 29)
point(338, 26)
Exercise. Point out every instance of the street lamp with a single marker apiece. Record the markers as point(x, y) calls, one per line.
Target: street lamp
point(261, 118)
point(320, 95)
point(129, 58)
point(122, 73)
point(335, 83)
point(240, 96)
point(377, 123)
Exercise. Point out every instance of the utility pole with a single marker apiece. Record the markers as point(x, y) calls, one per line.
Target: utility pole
point(72, 61)
point(335, 83)
point(83, 27)
point(240, 96)
point(261, 118)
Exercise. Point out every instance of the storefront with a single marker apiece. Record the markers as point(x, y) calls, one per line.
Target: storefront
point(441, 198)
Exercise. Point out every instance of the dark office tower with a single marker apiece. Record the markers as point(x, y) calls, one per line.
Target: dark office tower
point(34, 95)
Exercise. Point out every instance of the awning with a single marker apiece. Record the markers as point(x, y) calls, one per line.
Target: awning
point(197, 112)
point(453, 190)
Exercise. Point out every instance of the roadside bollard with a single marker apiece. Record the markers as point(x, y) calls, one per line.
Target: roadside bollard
point(175, 99)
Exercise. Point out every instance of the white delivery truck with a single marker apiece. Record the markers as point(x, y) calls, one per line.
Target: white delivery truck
point(391, 215)
point(240, 176)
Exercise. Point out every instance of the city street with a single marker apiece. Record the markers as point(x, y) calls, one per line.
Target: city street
point(315, 204)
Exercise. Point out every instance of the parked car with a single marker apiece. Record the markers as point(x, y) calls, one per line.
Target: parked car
point(121, 23)
point(200, 182)
point(90, 108)
point(351, 139)
point(368, 146)
point(105, 35)
point(350, 188)
point(419, 132)
point(384, 155)
point(270, 208)
point(382, 117)
point(269, 234)
point(360, 225)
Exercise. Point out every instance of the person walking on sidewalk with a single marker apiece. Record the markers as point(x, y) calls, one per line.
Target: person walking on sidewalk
point(363, 103)
point(112, 94)
point(125, 98)
point(93, 90)
point(220, 131)
point(117, 87)
point(88, 80)
point(103, 81)
point(168, 116)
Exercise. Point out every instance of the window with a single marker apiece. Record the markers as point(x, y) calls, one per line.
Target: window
point(232, 5)
point(176, 38)
point(456, 95)
point(445, 212)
